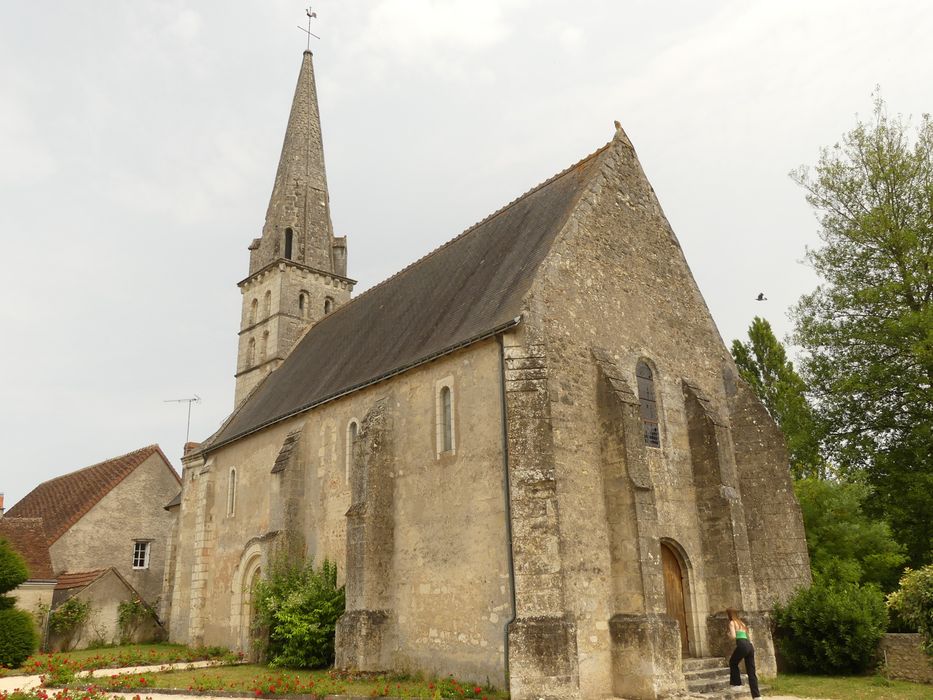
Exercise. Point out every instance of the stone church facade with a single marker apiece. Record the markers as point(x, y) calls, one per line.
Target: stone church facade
point(529, 452)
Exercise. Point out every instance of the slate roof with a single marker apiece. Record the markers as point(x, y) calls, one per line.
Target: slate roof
point(27, 536)
point(469, 288)
point(62, 501)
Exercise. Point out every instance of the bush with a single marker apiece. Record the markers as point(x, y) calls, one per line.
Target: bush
point(831, 628)
point(913, 603)
point(299, 607)
point(18, 637)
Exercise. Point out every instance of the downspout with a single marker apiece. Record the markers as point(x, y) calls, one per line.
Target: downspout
point(507, 495)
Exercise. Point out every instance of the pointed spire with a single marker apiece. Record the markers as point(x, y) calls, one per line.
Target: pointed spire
point(300, 200)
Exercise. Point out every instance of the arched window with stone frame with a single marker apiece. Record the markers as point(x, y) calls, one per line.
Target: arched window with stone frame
point(649, 404)
point(253, 310)
point(328, 305)
point(231, 493)
point(446, 438)
point(251, 352)
point(303, 305)
point(353, 435)
point(267, 304)
point(264, 346)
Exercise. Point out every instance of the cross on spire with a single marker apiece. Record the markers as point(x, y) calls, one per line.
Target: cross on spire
point(311, 15)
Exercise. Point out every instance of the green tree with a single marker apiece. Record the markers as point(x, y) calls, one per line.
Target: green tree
point(844, 543)
point(18, 636)
point(868, 328)
point(762, 362)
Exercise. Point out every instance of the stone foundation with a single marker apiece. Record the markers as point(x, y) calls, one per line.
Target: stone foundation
point(646, 657)
point(904, 658)
point(543, 658)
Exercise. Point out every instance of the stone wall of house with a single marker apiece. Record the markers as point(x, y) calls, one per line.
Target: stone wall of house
point(428, 562)
point(33, 594)
point(103, 623)
point(616, 282)
point(905, 659)
point(106, 535)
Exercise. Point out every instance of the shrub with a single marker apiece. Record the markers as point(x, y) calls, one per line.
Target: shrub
point(67, 618)
point(831, 628)
point(130, 615)
point(18, 637)
point(913, 603)
point(299, 607)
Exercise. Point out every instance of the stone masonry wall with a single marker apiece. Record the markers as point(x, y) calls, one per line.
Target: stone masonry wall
point(616, 279)
point(450, 599)
point(904, 658)
point(105, 536)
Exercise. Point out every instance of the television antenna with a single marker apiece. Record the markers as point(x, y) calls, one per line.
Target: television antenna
point(196, 399)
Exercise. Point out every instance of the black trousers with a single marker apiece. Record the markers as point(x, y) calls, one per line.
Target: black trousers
point(744, 650)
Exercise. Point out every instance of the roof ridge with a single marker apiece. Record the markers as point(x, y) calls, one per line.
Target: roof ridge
point(153, 447)
point(463, 234)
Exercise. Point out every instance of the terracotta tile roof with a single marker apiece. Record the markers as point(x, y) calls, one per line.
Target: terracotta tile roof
point(78, 579)
point(27, 536)
point(469, 288)
point(62, 501)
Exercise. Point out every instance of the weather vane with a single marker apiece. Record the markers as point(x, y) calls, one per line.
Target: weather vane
point(311, 15)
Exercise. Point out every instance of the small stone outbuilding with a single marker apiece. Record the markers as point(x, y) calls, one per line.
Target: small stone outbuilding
point(529, 452)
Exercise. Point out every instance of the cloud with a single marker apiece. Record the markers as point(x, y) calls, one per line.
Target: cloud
point(26, 157)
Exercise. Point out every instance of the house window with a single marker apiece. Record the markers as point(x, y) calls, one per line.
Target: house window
point(353, 431)
point(446, 438)
point(231, 493)
point(649, 405)
point(288, 244)
point(328, 305)
point(141, 554)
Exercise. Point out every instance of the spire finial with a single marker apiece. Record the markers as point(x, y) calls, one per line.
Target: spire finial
point(311, 15)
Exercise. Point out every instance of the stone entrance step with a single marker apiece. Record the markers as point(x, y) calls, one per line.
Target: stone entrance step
point(709, 678)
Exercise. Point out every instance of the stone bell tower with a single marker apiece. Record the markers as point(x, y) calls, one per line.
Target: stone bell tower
point(297, 268)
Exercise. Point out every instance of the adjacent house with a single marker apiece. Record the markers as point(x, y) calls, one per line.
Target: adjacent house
point(107, 515)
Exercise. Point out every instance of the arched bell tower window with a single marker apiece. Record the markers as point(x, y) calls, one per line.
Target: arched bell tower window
point(251, 352)
point(303, 305)
point(288, 244)
point(649, 405)
point(253, 308)
point(328, 305)
point(267, 304)
point(264, 348)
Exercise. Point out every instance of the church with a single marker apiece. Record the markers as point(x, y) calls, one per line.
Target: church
point(529, 452)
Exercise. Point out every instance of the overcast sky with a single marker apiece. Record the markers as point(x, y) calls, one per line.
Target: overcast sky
point(139, 140)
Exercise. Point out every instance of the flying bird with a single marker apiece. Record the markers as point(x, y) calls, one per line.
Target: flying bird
point(761, 297)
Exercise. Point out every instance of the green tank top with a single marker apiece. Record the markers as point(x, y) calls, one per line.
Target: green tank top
point(741, 634)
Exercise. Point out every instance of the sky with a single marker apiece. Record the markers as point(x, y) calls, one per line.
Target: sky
point(139, 141)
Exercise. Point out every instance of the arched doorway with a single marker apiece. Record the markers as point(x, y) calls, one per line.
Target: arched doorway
point(675, 593)
point(246, 615)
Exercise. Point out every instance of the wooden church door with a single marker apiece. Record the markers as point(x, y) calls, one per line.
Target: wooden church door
point(674, 593)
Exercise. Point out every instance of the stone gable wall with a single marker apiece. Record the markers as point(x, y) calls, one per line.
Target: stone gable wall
point(105, 536)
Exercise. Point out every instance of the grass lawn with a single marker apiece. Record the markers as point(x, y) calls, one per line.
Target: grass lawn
point(116, 656)
point(847, 687)
point(262, 681)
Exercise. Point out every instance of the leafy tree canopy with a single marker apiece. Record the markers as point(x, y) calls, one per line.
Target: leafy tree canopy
point(845, 544)
point(13, 569)
point(762, 362)
point(868, 328)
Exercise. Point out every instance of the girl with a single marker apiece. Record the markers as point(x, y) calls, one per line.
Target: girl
point(738, 631)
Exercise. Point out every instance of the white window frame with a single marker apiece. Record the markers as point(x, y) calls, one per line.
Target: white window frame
point(146, 551)
point(439, 386)
point(349, 457)
point(231, 492)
